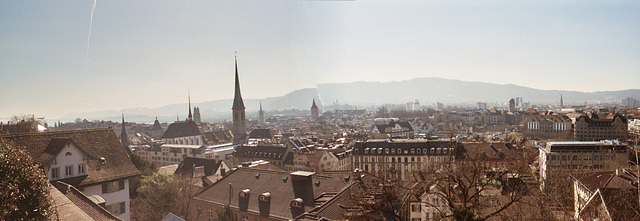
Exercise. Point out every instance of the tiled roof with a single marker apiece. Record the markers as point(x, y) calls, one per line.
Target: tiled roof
point(218, 136)
point(71, 204)
point(94, 142)
point(279, 184)
point(261, 134)
point(261, 151)
point(186, 166)
point(181, 129)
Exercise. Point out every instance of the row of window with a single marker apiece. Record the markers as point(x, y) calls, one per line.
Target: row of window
point(438, 150)
point(112, 186)
point(580, 157)
point(69, 171)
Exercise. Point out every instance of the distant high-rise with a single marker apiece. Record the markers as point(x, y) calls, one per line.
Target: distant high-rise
point(261, 116)
point(239, 122)
point(512, 105)
point(315, 112)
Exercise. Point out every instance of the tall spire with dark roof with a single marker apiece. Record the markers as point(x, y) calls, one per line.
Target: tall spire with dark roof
point(237, 99)
point(239, 123)
point(123, 135)
point(190, 117)
point(561, 102)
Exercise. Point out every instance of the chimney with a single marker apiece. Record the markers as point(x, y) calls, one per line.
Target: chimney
point(303, 186)
point(264, 204)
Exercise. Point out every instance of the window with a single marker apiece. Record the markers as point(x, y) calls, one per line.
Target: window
point(416, 208)
point(210, 212)
point(116, 208)
point(112, 186)
point(244, 217)
point(55, 173)
point(82, 169)
point(68, 171)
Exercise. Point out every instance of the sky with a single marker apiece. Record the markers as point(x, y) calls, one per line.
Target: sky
point(145, 54)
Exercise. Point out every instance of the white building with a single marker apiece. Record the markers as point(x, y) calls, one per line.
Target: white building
point(92, 160)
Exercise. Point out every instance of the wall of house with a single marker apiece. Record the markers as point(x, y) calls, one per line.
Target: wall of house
point(68, 156)
point(113, 197)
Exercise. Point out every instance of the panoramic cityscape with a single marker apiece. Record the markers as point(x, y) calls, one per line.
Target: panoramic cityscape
point(319, 110)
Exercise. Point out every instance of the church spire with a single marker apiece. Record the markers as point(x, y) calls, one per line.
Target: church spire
point(123, 136)
point(561, 102)
point(237, 99)
point(190, 117)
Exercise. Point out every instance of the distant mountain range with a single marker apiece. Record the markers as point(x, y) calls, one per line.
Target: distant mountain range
point(427, 91)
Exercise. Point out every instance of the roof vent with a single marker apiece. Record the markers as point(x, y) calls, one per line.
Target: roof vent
point(103, 160)
point(317, 182)
point(284, 179)
point(257, 175)
point(346, 178)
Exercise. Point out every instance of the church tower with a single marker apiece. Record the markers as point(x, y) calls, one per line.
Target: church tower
point(261, 116)
point(239, 123)
point(123, 137)
point(315, 113)
point(561, 102)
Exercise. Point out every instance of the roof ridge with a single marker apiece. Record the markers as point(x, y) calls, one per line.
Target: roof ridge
point(57, 132)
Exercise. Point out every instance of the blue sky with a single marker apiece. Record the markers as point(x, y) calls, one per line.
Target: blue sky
point(150, 53)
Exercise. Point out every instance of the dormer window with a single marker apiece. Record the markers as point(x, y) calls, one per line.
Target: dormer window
point(68, 154)
point(297, 203)
point(265, 196)
point(245, 193)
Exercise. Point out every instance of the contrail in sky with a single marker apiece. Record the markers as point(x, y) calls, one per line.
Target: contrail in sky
point(90, 24)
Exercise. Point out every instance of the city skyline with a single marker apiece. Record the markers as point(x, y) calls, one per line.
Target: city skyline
point(148, 54)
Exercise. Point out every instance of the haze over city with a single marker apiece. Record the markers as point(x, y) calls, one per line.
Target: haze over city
point(58, 58)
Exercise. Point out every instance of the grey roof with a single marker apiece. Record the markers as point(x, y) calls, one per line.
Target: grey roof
point(182, 129)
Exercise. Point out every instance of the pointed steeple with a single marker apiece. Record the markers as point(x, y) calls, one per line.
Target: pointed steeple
point(190, 117)
point(561, 102)
point(314, 106)
point(123, 134)
point(237, 99)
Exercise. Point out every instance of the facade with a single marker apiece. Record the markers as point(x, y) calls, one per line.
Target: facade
point(499, 157)
point(548, 126)
point(168, 154)
point(594, 127)
point(400, 156)
point(494, 117)
point(239, 119)
point(94, 161)
point(581, 156)
point(317, 161)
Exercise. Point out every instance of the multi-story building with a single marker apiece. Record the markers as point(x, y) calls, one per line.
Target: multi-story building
point(94, 161)
point(548, 126)
point(581, 156)
point(317, 161)
point(168, 154)
point(394, 129)
point(494, 117)
point(274, 153)
point(401, 156)
point(594, 127)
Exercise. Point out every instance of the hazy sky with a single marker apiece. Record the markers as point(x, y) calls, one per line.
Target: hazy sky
point(150, 53)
